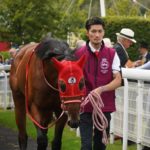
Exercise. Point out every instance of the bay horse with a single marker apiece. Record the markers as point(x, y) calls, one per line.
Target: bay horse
point(46, 80)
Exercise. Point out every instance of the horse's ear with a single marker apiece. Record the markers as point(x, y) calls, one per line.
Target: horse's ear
point(82, 61)
point(57, 64)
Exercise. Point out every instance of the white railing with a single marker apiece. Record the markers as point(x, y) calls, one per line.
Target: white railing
point(6, 100)
point(132, 118)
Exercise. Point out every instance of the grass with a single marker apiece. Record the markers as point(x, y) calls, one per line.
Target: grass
point(7, 119)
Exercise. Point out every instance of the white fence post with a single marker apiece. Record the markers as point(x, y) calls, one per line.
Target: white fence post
point(112, 129)
point(125, 115)
point(139, 114)
point(78, 132)
point(5, 89)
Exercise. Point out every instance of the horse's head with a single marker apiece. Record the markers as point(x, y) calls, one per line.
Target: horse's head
point(71, 87)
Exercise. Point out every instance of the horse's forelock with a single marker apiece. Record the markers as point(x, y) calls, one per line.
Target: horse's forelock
point(53, 48)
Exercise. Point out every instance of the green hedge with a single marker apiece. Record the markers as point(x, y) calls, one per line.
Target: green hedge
point(5, 55)
point(139, 25)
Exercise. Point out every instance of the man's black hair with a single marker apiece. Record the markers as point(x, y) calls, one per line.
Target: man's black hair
point(94, 21)
point(144, 44)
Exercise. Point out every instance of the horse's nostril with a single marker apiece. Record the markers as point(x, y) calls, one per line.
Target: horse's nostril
point(73, 124)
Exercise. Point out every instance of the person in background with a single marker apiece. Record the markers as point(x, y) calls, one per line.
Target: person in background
point(144, 53)
point(125, 39)
point(1, 60)
point(12, 53)
point(102, 77)
point(108, 42)
point(79, 44)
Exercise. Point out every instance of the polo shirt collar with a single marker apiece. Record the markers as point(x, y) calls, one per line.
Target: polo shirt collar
point(92, 48)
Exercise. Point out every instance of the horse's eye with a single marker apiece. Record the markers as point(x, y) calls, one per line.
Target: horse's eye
point(62, 86)
point(81, 84)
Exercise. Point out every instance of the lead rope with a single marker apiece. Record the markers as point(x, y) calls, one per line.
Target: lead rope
point(27, 99)
point(99, 119)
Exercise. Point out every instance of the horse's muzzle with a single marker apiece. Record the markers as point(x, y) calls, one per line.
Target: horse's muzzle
point(73, 124)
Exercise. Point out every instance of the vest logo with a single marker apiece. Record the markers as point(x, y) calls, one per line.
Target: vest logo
point(104, 65)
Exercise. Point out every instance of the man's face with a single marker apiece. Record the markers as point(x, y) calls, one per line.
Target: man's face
point(142, 51)
point(127, 43)
point(95, 34)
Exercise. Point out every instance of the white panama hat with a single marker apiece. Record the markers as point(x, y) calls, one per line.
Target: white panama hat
point(127, 33)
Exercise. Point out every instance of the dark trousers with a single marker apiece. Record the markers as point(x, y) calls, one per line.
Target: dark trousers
point(86, 132)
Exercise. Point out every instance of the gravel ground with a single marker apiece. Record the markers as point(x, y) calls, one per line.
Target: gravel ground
point(9, 140)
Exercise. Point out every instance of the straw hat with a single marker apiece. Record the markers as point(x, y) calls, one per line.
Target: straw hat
point(127, 33)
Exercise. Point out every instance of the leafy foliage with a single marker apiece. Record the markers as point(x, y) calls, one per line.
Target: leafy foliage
point(122, 8)
point(28, 20)
point(72, 18)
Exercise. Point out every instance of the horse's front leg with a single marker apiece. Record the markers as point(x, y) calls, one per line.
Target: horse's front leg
point(20, 114)
point(56, 143)
point(41, 118)
point(42, 140)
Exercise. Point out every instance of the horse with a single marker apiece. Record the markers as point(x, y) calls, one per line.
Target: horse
point(47, 82)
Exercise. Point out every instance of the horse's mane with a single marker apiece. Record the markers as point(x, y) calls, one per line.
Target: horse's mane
point(50, 47)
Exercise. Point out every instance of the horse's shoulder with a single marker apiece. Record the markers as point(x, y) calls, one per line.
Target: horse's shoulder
point(23, 54)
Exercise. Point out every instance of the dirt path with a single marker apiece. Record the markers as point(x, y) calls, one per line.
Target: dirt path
point(9, 141)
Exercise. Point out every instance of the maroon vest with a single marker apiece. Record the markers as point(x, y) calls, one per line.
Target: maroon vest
point(98, 72)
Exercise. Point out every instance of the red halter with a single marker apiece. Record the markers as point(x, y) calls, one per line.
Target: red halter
point(70, 80)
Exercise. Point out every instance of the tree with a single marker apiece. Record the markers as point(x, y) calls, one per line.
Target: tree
point(122, 8)
point(28, 20)
point(127, 7)
point(73, 16)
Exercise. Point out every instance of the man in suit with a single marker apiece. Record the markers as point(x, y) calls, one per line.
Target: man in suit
point(144, 53)
point(124, 40)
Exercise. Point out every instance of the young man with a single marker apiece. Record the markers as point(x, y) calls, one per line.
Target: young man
point(102, 76)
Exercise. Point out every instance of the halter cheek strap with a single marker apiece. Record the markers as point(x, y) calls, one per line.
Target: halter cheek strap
point(55, 89)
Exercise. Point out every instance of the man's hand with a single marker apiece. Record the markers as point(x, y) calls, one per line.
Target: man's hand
point(98, 90)
point(96, 93)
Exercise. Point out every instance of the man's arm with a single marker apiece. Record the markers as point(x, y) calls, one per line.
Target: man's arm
point(115, 83)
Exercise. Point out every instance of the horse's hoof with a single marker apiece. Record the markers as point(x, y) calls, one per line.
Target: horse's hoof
point(23, 143)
